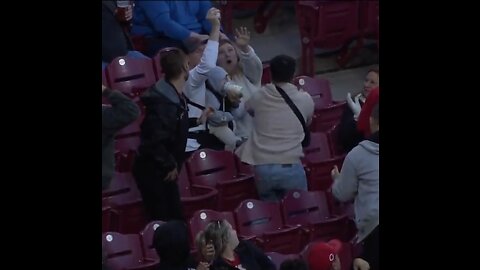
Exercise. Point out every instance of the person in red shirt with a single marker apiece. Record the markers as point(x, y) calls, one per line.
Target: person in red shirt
point(232, 253)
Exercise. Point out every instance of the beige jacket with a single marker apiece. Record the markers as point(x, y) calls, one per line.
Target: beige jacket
point(277, 133)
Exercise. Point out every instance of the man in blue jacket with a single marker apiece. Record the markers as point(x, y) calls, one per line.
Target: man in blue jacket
point(170, 23)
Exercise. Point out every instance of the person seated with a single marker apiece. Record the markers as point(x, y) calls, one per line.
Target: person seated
point(170, 23)
point(171, 243)
point(115, 39)
point(230, 253)
point(349, 136)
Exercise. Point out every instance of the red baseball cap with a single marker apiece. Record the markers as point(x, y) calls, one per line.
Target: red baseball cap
point(322, 254)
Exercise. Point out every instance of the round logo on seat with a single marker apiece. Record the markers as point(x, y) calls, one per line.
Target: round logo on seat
point(301, 82)
point(109, 237)
point(203, 215)
point(121, 61)
point(203, 154)
point(155, 226)
point(296, 195)
point(249, 205)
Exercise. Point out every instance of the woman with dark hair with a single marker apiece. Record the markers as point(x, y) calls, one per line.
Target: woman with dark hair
point(349, 135)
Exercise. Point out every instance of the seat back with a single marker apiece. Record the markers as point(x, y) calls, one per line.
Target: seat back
point(130, 75)
point(146, 239)
point(318, 88)
point(207, 167)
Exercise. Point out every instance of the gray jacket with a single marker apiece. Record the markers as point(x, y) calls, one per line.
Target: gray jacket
point(359, 180)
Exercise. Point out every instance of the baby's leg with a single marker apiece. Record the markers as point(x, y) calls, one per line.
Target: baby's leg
point(226, 135)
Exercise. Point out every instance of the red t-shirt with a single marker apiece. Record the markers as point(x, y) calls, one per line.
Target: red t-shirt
point(235, 263)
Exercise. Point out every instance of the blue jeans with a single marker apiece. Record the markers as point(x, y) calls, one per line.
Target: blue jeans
point(275, 180)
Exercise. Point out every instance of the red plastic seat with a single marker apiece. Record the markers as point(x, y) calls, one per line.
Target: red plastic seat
point(109, 219)
point(123, 196)
point(218, 169)
point(195, 197)
point(319, 148)
point(264, 221)
point(125, 152)
point(130, 75)
point(146, 239)
point(310, 209)
point(327, 25)
point(333, 141)
point(279, 258)
point(319, 162)
point(325, 118)
point(319, 173)
point(318, 88)
point(133, 129)
point(124, 252)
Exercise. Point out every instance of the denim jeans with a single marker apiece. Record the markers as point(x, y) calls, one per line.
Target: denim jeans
point(275, 180)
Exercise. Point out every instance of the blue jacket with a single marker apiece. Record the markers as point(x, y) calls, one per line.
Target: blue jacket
point(174, 19)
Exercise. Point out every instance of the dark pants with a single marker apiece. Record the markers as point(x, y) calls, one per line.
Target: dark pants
point(371, 249)
point(160, 198)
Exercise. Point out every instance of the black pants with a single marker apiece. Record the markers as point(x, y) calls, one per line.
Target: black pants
point(160, 198)
point(371, 249)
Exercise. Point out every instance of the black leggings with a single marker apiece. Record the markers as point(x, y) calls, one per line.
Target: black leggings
point(371, 249)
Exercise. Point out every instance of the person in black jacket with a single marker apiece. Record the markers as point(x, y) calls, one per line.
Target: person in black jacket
point(115, 41)
point(115, 34)
point(171, 242)
point(231, 253)
point(349, 136)
point(163, 138)
point(121, 113)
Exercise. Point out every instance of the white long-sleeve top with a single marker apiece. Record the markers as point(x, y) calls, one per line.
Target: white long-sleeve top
point(195, 87)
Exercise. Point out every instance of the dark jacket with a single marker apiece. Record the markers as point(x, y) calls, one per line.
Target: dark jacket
point(172, 245)
point(251, 258)
point(164, 129)
point(349, 136)
point(122, 112)
point(115, 41)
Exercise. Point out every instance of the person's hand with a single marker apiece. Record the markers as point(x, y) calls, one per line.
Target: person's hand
point(233, 91)
point(335, 173)
point(172, 175)
point(242, 38)
point(205, 114)
point(213, 16)
point(360, 264)
point(354, 105)
point(129, 13)
point(103, 88)
point(196, 37)
point(203, 266)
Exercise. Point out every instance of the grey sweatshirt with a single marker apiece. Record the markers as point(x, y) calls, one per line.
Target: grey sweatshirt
point(359, 180)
